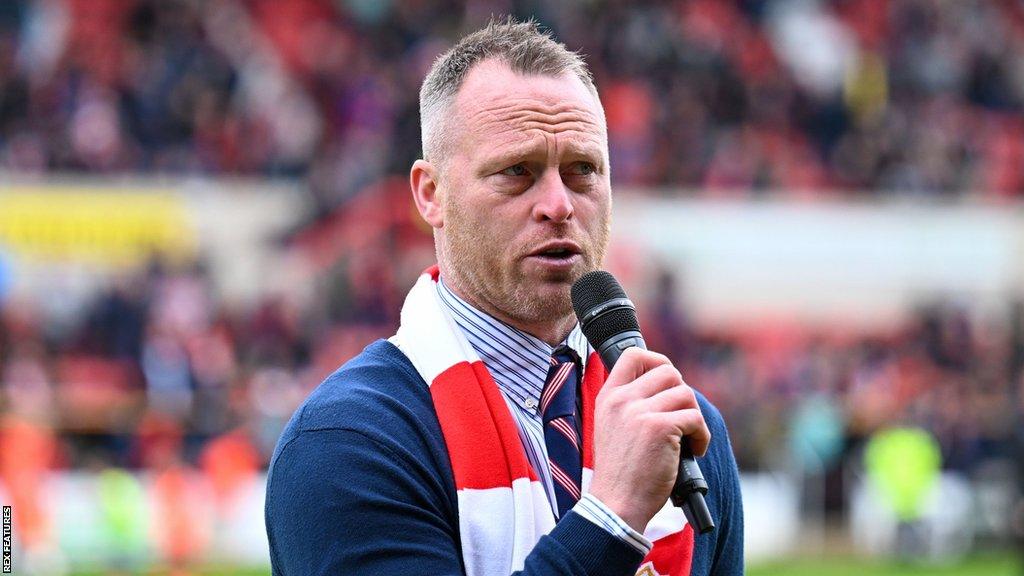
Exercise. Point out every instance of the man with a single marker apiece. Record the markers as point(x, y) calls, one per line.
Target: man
point(485, 437)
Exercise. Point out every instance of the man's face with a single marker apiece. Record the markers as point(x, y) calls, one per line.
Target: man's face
point(526, 193)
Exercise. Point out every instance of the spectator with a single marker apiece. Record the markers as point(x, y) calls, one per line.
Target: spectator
point(897, 97)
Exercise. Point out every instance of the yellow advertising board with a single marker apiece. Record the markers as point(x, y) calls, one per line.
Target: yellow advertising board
point(94, 225)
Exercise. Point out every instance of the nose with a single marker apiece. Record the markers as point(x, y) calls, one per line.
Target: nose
point(553, 200)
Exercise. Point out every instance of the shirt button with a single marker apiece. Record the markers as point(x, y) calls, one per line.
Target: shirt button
point(530, 403)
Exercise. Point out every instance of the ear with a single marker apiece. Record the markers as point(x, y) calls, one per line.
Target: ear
point(423, 178)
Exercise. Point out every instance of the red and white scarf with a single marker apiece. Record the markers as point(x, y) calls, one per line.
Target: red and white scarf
point(503, 507)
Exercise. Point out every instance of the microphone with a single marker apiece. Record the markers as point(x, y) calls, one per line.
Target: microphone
point(608, 320)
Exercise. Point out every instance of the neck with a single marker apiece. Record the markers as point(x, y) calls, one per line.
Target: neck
point(553, 332)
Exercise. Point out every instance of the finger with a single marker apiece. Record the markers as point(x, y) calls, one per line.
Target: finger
point(673, 398)
point(690, 425)
point(633, 363)
point(651, 383)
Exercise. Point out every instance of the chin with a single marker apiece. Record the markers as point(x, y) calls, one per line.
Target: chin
point(556, 297)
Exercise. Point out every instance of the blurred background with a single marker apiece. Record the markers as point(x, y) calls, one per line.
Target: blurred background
point(204, 210)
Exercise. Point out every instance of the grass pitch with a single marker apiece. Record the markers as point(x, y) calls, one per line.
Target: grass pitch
point(986, 565)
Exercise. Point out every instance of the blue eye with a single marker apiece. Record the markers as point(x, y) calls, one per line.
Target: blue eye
point(517, 170)
point(583, 169)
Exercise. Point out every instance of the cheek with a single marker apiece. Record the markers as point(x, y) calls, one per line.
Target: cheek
point(598, 230)
point(479, 231)
point(595, 217)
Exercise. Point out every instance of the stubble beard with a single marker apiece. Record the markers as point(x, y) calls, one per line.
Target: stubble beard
point(475, 272)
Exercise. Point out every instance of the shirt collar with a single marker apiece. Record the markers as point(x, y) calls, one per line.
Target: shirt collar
point(518, 361)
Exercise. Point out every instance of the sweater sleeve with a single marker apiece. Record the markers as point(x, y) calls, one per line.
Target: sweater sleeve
point(722, 549)
point(341, 502)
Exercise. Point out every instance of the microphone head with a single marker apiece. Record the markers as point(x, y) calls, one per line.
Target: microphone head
point(594, 291)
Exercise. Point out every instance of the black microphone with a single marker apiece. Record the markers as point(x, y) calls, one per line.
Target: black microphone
point(608, 320)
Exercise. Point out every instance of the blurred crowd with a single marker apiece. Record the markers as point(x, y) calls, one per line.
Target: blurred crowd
point(714, 97)
point(158, 366)
point(159, 375)
point(946, 371)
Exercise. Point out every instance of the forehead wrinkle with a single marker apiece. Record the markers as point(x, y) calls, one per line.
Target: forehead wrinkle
point(511, 127)
point(533, 114)
point(570, 132)
point(558, 128)
point(531, 118)
point(553, 146)
point(520, 131)
point(561, 128)
point(503, 103)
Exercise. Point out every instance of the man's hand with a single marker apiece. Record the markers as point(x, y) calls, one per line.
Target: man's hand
point(640, 416)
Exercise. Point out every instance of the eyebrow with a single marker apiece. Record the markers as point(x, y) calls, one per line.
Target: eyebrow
point(531, 150)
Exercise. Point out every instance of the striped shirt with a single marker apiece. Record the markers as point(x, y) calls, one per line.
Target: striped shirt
point(519, 363)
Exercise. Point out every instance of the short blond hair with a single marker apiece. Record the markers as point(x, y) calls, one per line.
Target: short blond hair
point(523, 46)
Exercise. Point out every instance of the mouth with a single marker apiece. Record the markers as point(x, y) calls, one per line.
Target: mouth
point(558, 253)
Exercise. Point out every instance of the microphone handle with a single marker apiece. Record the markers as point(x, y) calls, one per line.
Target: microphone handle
point(690, 487)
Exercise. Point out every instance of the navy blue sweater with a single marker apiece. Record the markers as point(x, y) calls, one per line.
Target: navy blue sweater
point(361, 483)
